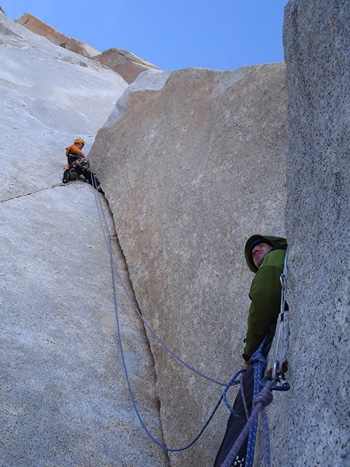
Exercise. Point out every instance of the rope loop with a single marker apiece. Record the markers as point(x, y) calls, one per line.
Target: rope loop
point(233, 381)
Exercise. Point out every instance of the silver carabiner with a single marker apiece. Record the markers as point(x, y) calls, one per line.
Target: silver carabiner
point(275, 369)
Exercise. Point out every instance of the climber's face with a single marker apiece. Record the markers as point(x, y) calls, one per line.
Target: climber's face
point(259, 252)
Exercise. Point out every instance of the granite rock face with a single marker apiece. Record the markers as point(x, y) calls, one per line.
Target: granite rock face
point(313, 427)
point(190, 171)
point(42, 29)
point(48, 95)
point(64, 397)
point(128, 65)
point(192, 162)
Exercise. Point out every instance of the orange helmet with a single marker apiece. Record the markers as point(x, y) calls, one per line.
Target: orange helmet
point(79, 140)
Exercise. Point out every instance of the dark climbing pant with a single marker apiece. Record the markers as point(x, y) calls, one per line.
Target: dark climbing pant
point(90, 177)
point(74, 172)
point(238, 419)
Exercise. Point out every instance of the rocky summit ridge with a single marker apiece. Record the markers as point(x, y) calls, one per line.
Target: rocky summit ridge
point(128, 65)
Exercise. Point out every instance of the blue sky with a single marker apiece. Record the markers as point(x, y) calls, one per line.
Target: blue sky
point(171, 34)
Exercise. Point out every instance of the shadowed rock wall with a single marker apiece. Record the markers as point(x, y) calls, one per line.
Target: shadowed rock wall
point(311, 421)
point(190, 171)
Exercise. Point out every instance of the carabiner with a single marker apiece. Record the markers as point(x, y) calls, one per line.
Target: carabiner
point(275, 387)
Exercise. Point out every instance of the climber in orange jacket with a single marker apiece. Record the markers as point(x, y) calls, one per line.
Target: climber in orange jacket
point(74, 151)
point(79, 165)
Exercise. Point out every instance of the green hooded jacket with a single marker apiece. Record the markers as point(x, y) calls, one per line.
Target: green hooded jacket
point(265, 291)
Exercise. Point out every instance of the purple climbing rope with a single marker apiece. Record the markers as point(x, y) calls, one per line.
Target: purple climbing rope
point(262, 400)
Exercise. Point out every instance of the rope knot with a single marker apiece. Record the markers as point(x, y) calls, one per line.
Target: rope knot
point(264, 397)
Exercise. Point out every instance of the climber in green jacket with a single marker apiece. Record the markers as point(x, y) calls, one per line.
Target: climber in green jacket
point(265, 257)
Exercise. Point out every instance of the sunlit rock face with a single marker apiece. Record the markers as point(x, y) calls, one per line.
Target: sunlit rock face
point(192, 163)
point(49, 96)
point(128, 65)
point(64, 397)
point(42, 29)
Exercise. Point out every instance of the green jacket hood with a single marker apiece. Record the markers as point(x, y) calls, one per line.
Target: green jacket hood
point(274, 241)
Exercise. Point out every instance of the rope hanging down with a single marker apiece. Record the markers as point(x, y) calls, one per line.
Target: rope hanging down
point(114, 271)
point(237, 454)
point(113, 265)
point(261, 399)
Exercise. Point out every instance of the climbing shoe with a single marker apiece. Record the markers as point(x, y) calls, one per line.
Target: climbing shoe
point(65, 178)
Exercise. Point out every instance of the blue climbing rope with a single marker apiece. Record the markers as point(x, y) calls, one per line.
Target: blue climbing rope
point(263, 399)
point(114, 272)
point(259, 364)
point(232, 382)
point(134, 306)
point(131, 391)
